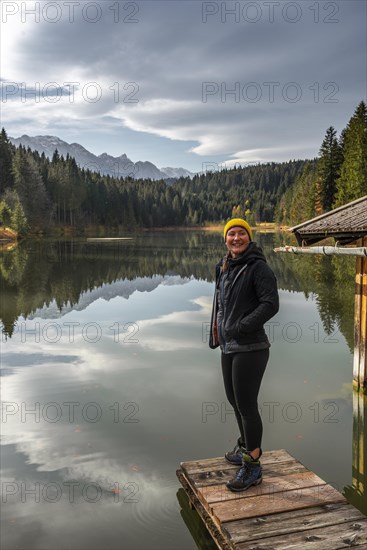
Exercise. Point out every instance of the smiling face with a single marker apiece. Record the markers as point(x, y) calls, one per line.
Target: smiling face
point(237, 241)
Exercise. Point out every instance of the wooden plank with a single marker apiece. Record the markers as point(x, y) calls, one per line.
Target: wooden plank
point(293, 509)
point(216, 477)
point(210, 464)
point(220, 493)
point(252, 506)
point(333, 537)
point(290, 522)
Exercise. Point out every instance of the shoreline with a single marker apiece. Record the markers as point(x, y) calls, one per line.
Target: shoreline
point(8, 235)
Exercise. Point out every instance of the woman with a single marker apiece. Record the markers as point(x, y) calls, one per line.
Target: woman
point(245, 298)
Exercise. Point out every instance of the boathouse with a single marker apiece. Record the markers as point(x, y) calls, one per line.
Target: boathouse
point(347, 225)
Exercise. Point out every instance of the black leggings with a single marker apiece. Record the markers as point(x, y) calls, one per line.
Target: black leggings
point(242, 374)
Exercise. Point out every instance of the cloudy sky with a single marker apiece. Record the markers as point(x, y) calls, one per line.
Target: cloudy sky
point(184, 83)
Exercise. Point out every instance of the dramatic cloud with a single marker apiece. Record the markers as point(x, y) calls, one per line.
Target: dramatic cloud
point(241, 81)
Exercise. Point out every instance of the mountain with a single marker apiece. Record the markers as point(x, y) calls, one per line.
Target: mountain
point(177, 172)
point(106, 164)
point(122, 288)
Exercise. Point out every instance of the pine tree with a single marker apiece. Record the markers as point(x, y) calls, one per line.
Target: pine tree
point(298, 202)
point(18, 220)
point(328, 168)
point(5, 214)
point(6, 175)
point(30, 188)
point(352, 183)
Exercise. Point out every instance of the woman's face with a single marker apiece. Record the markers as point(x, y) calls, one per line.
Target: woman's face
point(237, 240)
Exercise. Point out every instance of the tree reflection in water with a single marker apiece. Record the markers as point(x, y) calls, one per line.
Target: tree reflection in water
point(37, 273)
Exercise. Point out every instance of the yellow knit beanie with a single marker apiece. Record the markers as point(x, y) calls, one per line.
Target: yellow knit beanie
point(237, 222)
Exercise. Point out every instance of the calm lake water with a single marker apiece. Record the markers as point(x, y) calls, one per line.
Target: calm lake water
point(108, 383)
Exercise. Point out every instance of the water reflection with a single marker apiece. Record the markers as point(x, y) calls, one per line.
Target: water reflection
point(107, 372)
point(356, 493)
point(194, 523)
point(59, 276)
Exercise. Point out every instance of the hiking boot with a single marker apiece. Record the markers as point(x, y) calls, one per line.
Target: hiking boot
point(250, 474)
point(235, 456)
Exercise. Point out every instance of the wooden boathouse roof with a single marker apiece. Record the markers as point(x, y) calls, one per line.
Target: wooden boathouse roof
point(345, 224)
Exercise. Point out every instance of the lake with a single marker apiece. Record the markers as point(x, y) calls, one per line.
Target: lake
point(108, 383)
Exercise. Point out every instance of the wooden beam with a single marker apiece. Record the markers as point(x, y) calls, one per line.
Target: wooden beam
point(360, 323)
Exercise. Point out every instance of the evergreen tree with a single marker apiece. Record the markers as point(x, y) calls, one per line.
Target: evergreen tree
point(18, 220)
point(5, 214)
point(328, 169)
point(298, 202)
point(6, 175)
point(352, 183)
point(75, 193)
point(30, 188)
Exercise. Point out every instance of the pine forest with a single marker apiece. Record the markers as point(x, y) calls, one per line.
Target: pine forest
point(38, 194)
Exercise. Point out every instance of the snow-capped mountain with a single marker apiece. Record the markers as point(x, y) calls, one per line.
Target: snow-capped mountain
point(117, 167)
point(123, 288)
point(177, 172)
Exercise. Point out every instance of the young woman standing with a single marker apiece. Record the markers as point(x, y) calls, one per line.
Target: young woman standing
point(245, 298)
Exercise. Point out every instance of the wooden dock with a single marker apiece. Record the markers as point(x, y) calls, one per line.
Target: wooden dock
point(292, 509)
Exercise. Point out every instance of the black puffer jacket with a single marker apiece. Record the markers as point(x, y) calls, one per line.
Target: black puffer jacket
point(245, 298)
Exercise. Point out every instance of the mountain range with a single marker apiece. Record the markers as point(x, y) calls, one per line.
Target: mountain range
point(119, 167)
point(123, 288)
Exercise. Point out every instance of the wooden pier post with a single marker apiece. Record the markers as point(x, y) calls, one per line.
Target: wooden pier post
point(360, 323)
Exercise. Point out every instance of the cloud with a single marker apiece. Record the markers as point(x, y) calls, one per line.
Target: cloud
point(232, 83)
point(166, 332)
